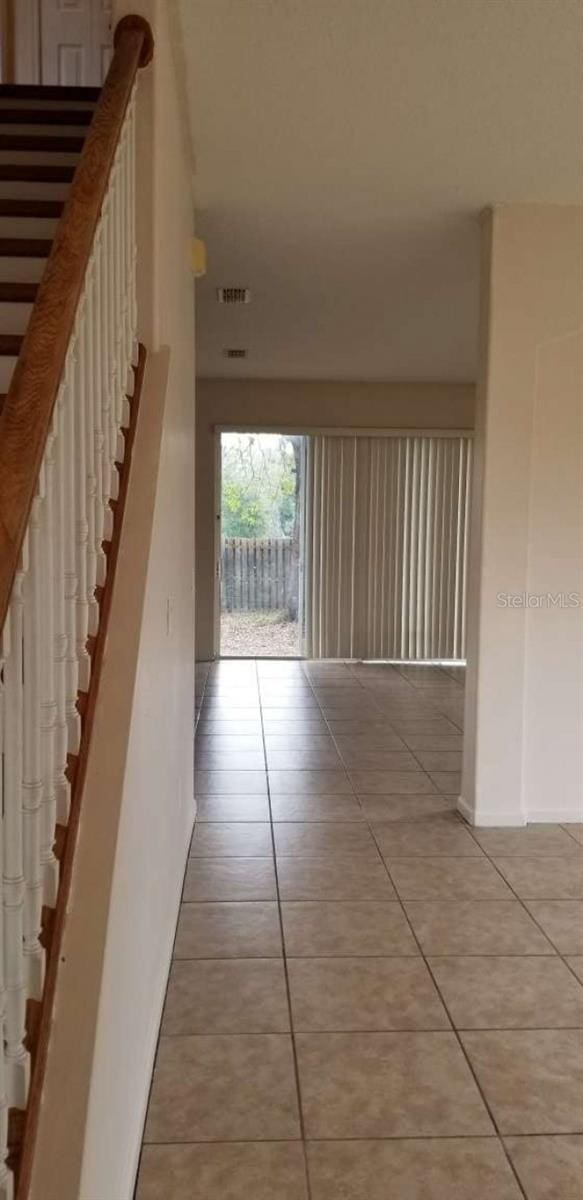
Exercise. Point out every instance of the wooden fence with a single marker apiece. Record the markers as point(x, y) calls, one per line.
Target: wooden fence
point(258, 574)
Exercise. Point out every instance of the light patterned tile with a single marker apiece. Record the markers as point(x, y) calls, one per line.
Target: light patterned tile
point(413, 1169)
point(562, 921)
point(549, 1168)
point(544, 878)
point(448, 878)
point(509, 992)
point(354, 928)
point(226, 996)
point(228, 930)
point(231, 839)
point(309, 783)
point(399, 783)
point(378, 1085)
point(475, 927)
point(532, 1079)
point(333, 878)
point(363, 994)
point(224, 1171)
point(230, 879)
point(237, 1087)
point(308, 839)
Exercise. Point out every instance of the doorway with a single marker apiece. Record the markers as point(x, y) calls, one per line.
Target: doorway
point(64, 43)
point(260, 567)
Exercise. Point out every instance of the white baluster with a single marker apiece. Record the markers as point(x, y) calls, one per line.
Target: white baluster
point(106, 390)
point(133, 245)
point(48, 707)
point(116, 310)
point(126, 252)
point(6, 1177)
point(17, 1059)
point(90, 394)
point(81, 524)
point(111, 268)
point(123, 414)
point(60, 644)
point(101, 565)
point(32, 781)
point(69, 554)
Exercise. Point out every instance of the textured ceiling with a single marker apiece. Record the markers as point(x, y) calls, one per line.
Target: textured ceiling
point(344, 150)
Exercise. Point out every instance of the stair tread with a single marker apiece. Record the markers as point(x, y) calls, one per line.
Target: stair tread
point(25, 247)
point(47, 92)
point(10, 343)
point(30, 208)
point(18, 293)
point(40, 172)
point(45, 116)
point(37, 141)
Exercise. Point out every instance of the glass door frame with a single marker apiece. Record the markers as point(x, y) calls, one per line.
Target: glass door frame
point(278, 430)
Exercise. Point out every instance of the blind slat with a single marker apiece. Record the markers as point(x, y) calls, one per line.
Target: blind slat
point(386, 553)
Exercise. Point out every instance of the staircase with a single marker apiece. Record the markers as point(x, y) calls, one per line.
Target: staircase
point(42, 132)
point(71, 372)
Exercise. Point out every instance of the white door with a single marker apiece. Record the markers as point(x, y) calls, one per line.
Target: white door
point(76, 42)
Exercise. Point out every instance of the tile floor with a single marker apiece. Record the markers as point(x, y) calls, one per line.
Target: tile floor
point(368, 1000)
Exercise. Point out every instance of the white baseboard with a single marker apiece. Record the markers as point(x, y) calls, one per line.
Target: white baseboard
point(555, 816)
point(487, 818)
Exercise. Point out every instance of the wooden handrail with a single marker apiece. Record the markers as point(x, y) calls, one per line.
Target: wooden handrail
point(27, 411)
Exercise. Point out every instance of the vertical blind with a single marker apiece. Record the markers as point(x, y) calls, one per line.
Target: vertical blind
point(386, 527)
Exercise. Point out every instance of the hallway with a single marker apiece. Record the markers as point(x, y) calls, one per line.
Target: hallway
point(367, 1000)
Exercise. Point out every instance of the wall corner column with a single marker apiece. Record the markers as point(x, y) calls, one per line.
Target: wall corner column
point(523, 754)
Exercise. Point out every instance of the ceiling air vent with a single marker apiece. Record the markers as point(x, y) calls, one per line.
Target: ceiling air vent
point(233, 295)
point(234, 352)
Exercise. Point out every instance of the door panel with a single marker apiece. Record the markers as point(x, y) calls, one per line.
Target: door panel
point(76, 41)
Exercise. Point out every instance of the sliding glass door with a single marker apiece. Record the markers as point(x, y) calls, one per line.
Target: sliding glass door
point(347, 545)
point(386, 546)
point(260, 553)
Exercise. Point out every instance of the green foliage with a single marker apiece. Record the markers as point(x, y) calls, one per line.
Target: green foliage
point(242, 512)
point(259, 485)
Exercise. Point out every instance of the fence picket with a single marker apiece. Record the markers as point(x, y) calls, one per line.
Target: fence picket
point(257, 574)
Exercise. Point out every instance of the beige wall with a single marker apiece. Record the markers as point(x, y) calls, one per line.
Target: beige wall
point(304, 405)
point(138, 803)
point(524, 706)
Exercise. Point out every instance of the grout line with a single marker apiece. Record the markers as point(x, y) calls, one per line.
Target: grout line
point(512, 897)
point(445, 1007)
point(545, 899)
point(434, 1029)
point(455, 1031)
point(284, 961)
point(401, 1137)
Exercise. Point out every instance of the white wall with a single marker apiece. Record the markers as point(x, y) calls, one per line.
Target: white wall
point(524, 706)
point(138, 802)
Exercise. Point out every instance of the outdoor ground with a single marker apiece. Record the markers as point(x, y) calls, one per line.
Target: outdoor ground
point(257, 634)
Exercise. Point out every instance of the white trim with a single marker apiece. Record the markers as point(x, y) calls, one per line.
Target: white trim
point(487, 818)
point(343, 431)
point(217, 525)
point(553, 816)
point(412, 662)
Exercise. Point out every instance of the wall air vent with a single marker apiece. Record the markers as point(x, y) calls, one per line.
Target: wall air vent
point(233, 295)
point(234, 352)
